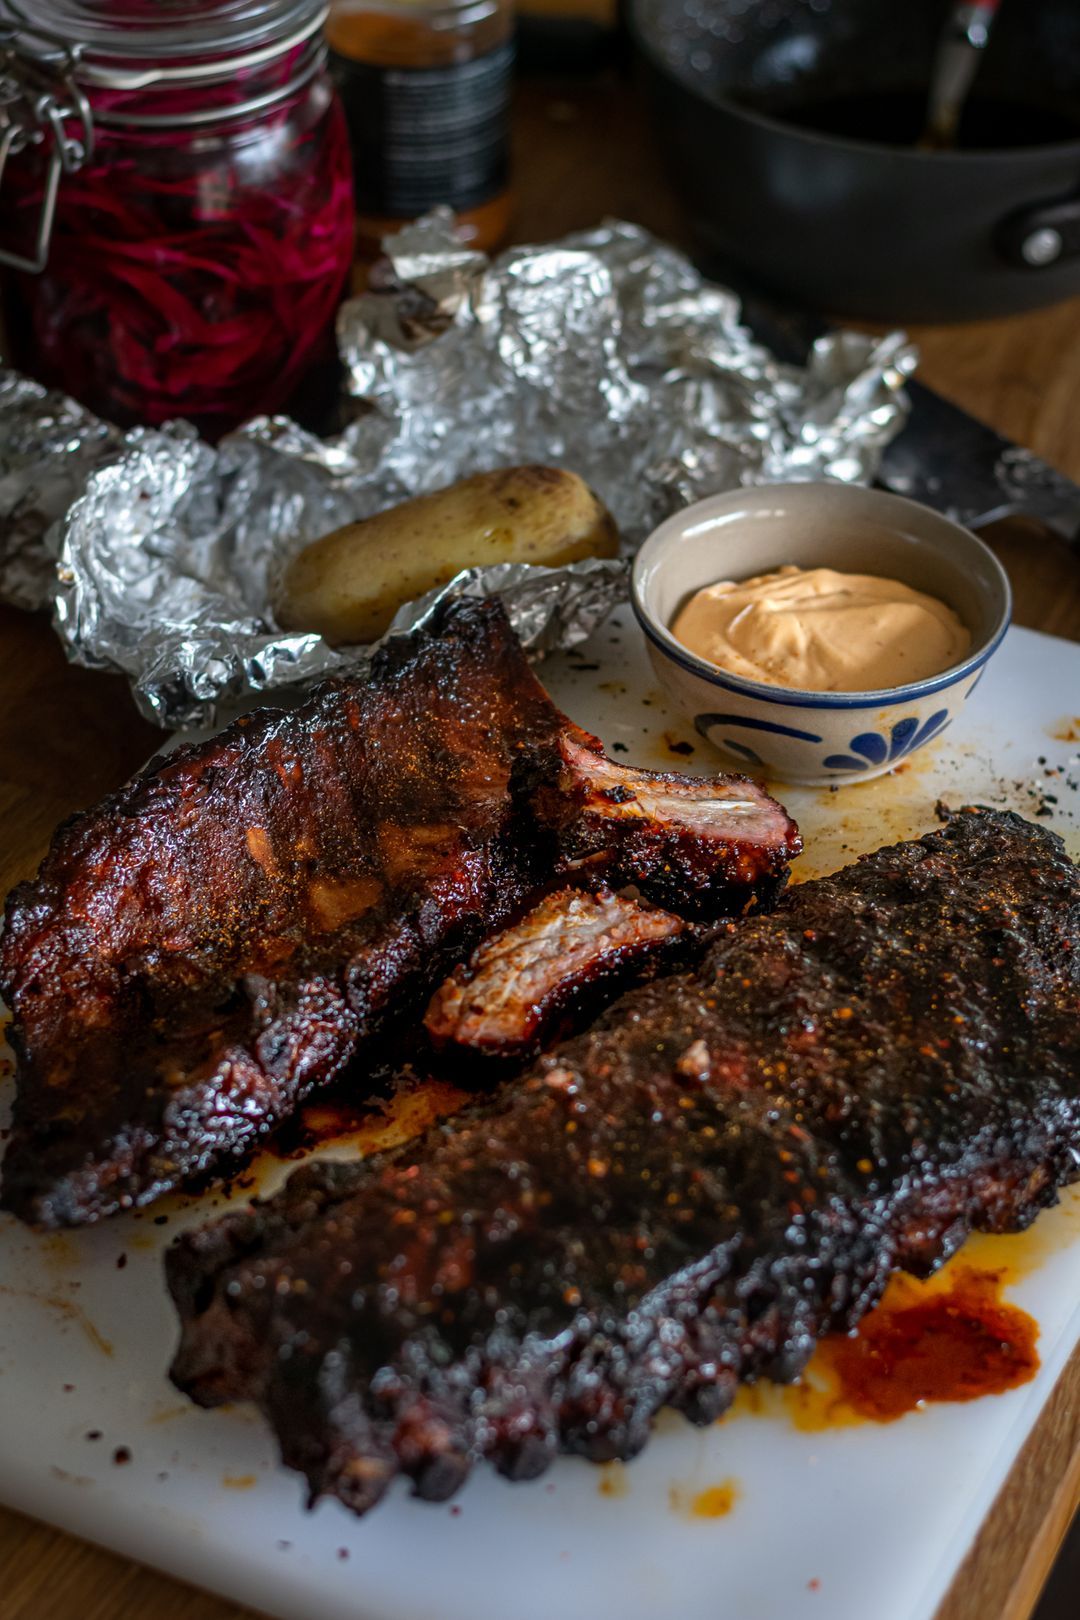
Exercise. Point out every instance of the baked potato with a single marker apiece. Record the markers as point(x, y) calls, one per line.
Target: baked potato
point(348, 585)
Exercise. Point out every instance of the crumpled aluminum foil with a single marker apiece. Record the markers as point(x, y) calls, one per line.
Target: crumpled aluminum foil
point(49, 446)
point(606, 353)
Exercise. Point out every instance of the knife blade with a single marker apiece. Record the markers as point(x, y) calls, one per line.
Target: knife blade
point(943, 456)
point(952, 461)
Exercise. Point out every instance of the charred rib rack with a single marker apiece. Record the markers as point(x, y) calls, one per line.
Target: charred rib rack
point(727, 1165)
point(227, 932)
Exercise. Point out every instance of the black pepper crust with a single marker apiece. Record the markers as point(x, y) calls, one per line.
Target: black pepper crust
point(728, 1164)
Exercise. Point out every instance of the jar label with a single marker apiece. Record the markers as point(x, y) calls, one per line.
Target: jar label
point(424, 136)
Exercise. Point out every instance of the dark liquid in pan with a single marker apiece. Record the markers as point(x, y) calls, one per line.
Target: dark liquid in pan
point(898, 117)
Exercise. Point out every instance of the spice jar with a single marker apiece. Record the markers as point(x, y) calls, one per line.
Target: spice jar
point(176, 208)
point(426, 87)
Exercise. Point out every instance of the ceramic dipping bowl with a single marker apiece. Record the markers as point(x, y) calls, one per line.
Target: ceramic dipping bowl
point(802, 736)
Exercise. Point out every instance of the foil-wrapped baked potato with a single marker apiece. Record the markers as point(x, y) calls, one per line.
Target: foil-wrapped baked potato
point(348, 585)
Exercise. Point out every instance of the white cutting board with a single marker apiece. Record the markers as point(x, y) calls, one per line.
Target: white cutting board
point(845, 1524)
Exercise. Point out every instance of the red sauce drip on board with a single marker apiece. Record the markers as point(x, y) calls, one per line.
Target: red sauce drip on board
point(952, 1344)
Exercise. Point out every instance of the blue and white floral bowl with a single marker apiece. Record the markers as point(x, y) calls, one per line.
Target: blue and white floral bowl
point(817, 737)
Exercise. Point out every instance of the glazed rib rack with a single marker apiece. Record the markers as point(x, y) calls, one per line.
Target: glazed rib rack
point(253, 915)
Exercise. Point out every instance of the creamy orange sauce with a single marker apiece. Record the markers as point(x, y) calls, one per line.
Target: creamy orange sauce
point(817, 630)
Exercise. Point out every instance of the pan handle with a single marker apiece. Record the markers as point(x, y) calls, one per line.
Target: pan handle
point(1042, 235)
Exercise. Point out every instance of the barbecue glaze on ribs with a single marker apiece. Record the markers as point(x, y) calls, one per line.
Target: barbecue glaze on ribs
point(726, 1166)
point(206, 946)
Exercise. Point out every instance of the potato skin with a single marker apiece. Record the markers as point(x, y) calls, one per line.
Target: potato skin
point(348, 585)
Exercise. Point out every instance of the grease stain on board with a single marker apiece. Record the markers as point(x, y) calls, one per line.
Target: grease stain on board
point(704, 1502)
point(168, 1414)
point(847, 820)
point(613, 1481)
point(1018, 1254)
point(67, 1309)
point(58, 1251)
point(853, 818)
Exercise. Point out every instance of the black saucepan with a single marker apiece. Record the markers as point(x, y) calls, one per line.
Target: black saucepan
point(791, 127)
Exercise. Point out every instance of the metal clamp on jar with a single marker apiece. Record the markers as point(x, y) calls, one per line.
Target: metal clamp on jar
point(176, 202)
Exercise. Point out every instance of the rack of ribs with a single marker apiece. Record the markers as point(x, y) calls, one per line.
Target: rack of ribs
point(252, 914)
point(725, 1166)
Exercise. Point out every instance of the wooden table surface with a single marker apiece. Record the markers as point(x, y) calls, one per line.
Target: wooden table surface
point(67, 736)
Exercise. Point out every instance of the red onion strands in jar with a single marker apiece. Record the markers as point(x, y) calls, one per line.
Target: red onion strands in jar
point(196, 282)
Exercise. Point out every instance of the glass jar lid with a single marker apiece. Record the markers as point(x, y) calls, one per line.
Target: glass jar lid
point(173, 34)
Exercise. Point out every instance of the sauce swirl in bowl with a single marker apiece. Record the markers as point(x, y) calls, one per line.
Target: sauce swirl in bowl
point(819, 630)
